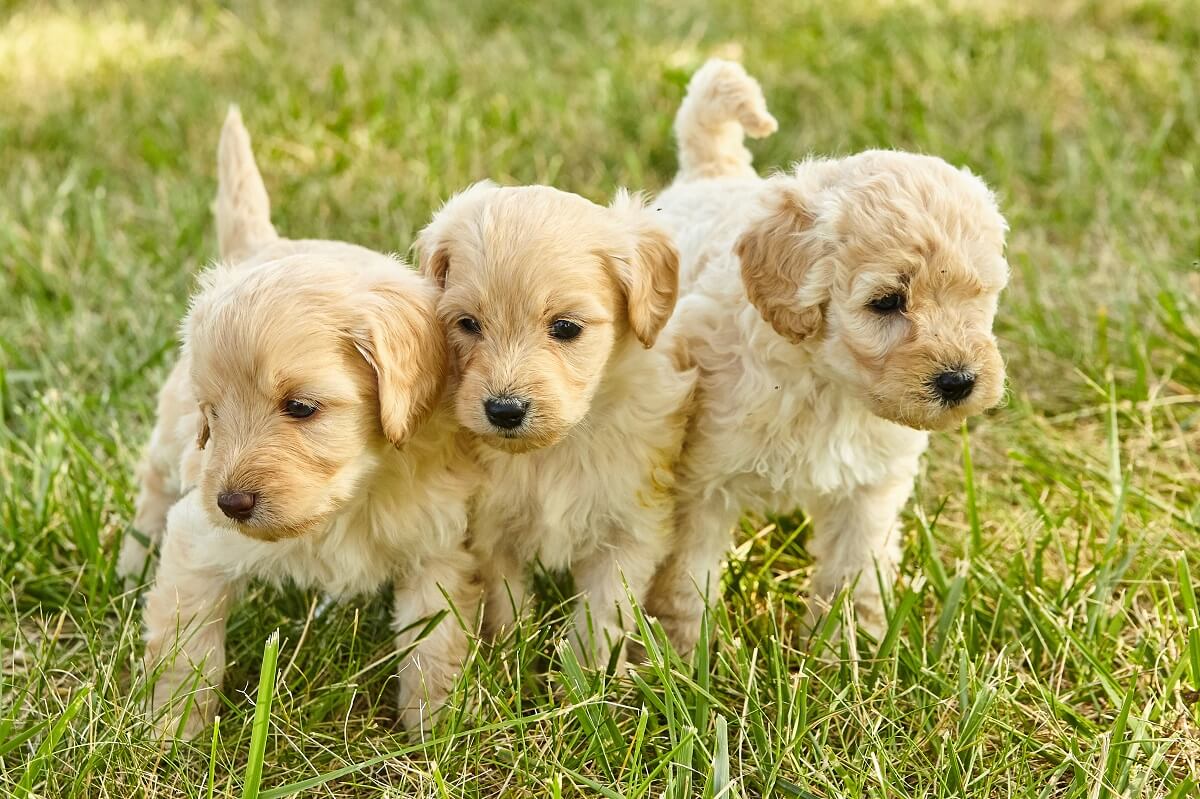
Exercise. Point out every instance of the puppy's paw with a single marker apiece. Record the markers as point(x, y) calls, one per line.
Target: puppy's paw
point(178, 721)
point(871, 616)
point(421, 703)
point(868, 616)
point(683, 631)
point(131, 562)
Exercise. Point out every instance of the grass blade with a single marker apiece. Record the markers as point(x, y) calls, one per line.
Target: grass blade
point(35, 766)
point(262, 717)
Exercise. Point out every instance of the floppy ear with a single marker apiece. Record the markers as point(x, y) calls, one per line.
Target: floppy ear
point(649, 272)
point(436, 264)
point(784, 269)
point(433, 255)
point(202, 435)
point(403, 342)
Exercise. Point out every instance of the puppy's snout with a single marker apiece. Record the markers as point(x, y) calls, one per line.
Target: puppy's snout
point(506, 412)
point(237, 505)
point(954, 385)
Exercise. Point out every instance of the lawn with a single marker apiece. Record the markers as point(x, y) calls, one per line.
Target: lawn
point(1045, 640)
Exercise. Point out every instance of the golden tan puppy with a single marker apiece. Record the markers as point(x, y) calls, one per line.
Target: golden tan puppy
point(553, 305)
point(303, 437)
point(836, 312)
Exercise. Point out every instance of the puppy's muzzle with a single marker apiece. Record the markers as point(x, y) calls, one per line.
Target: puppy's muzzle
point(505, 412)
point(237, 505)
point(954, 385)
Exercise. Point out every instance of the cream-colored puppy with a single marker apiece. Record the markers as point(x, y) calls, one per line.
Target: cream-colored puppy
point(553, 305)
point(836, 312)
point(302, 437)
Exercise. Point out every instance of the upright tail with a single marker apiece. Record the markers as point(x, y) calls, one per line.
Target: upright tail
point(723, 104)
point(242, 207)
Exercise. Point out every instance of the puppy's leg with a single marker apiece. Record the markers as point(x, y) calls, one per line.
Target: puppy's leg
point(185, 626)
point(856, 538)
point(605, 580)
point(157, 493)
point(160, 474)
point(504, 582)
point(433, 660)
point(689, 579)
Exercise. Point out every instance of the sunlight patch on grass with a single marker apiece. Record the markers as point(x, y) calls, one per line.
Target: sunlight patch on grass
point(45, 55)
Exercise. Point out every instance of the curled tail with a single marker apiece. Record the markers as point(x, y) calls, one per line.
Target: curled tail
point(242, 207)
point(723, 104)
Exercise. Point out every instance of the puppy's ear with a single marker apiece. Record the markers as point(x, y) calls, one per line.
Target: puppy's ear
point(403, 342)
point(648, 271)
point(203, 434)
point(436, 265)
point(433, 254)
point(784, 269)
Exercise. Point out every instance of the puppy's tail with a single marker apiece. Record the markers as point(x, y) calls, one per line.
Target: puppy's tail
point(723, 105)
point(242, 207)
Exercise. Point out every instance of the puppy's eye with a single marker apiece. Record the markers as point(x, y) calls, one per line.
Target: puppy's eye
point(298, 410)
point(470, 324)
point(564, 329)
point(889, 303)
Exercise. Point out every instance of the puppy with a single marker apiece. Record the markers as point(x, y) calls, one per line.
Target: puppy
point(302, 436)
point(552, 306)
point(836, 313)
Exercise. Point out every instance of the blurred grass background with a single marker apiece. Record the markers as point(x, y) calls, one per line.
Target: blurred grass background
point(1058, 657)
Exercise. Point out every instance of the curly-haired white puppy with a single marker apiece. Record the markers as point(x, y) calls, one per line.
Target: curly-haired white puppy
point(552, 306)
point(303, 437)
point(836, 312)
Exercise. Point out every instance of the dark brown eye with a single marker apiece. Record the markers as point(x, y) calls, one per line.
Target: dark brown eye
point(564, 329)
point(889, 303)
point(470, 324)
point(298, 410)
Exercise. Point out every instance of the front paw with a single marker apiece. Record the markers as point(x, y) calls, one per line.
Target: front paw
point(419, 711)
point(593, 645)
point(868, 616)
point(871, 616)
point(180, 718)
point(131, 562)
point(683, 631)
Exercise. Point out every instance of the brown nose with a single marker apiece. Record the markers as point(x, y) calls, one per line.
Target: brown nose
point(236, 504)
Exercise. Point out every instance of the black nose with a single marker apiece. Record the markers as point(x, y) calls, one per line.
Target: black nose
point(954, 386)
point(236, 504)
point(506, 412)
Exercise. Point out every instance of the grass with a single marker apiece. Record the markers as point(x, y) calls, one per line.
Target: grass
point(1045, 641)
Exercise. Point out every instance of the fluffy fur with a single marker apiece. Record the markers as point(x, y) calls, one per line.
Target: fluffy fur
point(372, 487)
point(808, 395)
point(584, 482)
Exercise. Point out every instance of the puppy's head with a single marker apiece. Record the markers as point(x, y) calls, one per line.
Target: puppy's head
point(892, 264)
point(539, 288)
point(305, 370)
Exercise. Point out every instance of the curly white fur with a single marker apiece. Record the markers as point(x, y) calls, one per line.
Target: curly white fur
point(789, 411)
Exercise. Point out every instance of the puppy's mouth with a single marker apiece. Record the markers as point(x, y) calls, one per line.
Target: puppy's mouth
point(926, 410)
point(517, 442)
point(526, 437)
point(269, 530)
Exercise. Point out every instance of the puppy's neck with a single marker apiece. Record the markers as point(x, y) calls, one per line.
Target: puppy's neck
point(437, 444)
point(633, 376)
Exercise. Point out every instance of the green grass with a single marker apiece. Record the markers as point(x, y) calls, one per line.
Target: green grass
point(1045, 641)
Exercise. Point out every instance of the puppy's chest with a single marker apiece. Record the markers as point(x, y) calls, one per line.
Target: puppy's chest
point(556, 506)
point(786, 446)
point(361, 551)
